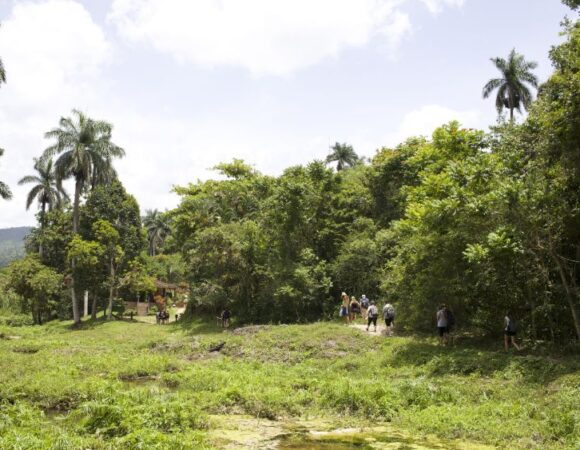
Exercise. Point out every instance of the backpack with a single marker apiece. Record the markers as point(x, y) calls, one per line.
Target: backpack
point(390, 313)
point(450, 319)
point(364, 302)
point(512, 326)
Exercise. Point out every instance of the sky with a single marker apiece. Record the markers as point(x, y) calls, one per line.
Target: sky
point(191, 83)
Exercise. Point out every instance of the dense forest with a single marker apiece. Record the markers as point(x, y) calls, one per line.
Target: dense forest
point(485, 221)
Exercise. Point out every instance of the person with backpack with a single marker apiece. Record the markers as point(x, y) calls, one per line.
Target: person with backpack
point(364, 306)
point(373, 314)
point(226, 315)
point(354, 308)
point(389, 316)
point(442, 324)
point(509, 331)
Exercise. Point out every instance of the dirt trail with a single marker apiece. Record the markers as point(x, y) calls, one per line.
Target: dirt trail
point(381, 329)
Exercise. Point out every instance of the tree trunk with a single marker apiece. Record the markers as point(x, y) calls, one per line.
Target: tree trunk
point(75, 306)
point(94, 307)
point(42, 226)
point(570, 294)
point(111, 287)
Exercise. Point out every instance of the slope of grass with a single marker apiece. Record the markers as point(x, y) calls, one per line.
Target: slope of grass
point(136, 385)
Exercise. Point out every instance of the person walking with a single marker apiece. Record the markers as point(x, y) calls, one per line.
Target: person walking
point(364, 306)
point(226, 315)
point(389, 316)
point(373, 314)
point(354, 308)
point(344, 307)
point(510, 328)
point(442, 324)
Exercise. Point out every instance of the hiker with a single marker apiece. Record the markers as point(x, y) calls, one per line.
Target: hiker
point(158, 317)
point(450, 324)
point(373, 313)
point(442, 324)
point(364, 306)
point(344, 307)
point(510, 328)
point(354, 308)
point(389, 316)
point(226, 314)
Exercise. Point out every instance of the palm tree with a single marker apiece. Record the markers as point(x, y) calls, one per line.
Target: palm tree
point(512, 92)
point(47, 191)
point(5, 192)
point(85, 153)
point(344, 155)
point(157, 229)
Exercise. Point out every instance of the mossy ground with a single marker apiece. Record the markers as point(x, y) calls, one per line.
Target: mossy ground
point(137, 385)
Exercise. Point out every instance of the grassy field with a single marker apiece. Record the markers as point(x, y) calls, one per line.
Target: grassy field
point(138, 385)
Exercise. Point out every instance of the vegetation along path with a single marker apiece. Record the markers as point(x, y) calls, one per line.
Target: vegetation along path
point(124, 384)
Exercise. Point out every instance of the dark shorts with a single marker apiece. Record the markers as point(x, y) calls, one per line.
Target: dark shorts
point(509, 333)
point(389, 322)
point(343, 311)
point(372, 320)
point(443, 331)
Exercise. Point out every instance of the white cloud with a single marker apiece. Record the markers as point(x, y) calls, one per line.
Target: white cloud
point(423, 121)
point(49, 46)
point(436, 6)
point(264, 36)
point(53, 52)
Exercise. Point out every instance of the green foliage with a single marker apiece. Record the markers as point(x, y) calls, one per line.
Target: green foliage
point(39, 287)
point(159, 387)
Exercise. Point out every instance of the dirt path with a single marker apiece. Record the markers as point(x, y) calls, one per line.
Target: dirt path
point(381, 329)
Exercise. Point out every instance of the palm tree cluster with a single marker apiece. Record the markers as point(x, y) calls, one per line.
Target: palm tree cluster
point(512, 91)
point(85, 153)
point(158, 228)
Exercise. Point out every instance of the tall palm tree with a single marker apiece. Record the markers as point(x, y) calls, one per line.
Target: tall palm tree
point(158, 229)
point(512, 91)
point(47, 191)
point(344, 155)
point(85, 153)
point(5, 192)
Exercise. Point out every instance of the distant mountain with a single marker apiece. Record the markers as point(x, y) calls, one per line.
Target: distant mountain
point(12, 244)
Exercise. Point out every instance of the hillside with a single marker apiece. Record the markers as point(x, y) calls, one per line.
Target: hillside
point(12, 244)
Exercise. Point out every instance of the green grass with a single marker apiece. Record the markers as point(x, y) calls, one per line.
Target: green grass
point(136, 385)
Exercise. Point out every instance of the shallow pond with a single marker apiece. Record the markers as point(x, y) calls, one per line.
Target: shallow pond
point(241, 432)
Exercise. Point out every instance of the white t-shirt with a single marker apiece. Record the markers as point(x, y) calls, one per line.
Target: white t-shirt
point(441, 318)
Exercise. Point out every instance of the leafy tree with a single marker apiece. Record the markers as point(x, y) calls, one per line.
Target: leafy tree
point(512, 92)
point(108, 237)
point(574, 4)
point(53, 238)
point(38, 286)
point(344, 156)
point(138, 280)
point(85, 153)
point(158, 228)
point(5, 191)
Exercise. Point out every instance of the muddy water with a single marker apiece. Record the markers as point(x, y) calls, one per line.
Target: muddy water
point(242, 432)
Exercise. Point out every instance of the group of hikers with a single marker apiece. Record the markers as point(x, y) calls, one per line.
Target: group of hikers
point(366, 309)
